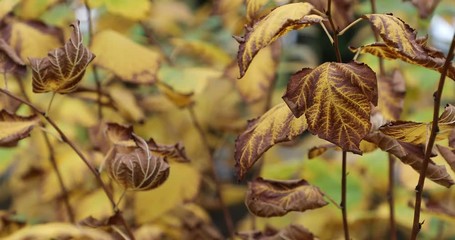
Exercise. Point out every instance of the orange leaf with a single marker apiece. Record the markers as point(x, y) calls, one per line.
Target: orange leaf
point(336, 100)
point(64, 67)
point(280, 21)
point(270, 198)
point(275, 126)
point(14, 128)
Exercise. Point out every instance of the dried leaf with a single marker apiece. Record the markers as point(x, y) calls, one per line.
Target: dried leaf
point(319, 150)
point(291, 232)
point(126, 103)
point(275, 126)
point(448, 155)
point(400, 42)
point(270, 198)
point(128, 60)
point(452, 139)
point(425, 7)
point(418, 133)
point(412, 155)
point(9, 60)
point(174, 152)
point(391, 95)
point(181, 100)
point(63, 68)
point(119, 135)
point(14, 128)
point(336, 100)
point(9, 223)
point(342, 11)
point(280, 21)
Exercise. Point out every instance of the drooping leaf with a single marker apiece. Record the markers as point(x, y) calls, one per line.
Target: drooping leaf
point(275, 126)
point(336, 99)
point(425, 7)
point(448, 155)
point(412, 155)
point(418, 133)
point(130, 61)
point(9, 60)
point(14, 128)
point(137, 10)
point(180, 99)
point(64, 67)
point(126, 103)
point(400, 42)
point(280, 21)
point(174, 152)
point(391, 95)
point(270, 198)
point(119, 134)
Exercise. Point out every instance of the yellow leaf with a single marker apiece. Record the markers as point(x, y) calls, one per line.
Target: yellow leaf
point(181, 186)
point(135, 10)
point(95, 204)
point(181, 100)
point(270, 198)
point(38, 42)
point(253, 8)
point(336, 99)
point(280, 21)
point(63, 68)
point(391, 95)
point(188, 80)
point(126, 103)
point(275, 126)
point(32, 9)
point(205, 51)
point(14, 128)
point(125, 58)
point(7, 6)
point(418, 133)
point(57, 230)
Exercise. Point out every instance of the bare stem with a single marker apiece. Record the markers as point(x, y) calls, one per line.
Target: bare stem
point(50, 103)
point(416, 225)
point(227, 215)
point(343, 197)
point(390, 198)
point(94, 68)
point(349, 26)
point(78, 152)
point(376, 37)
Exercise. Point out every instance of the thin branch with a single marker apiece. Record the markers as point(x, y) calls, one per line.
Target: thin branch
point(349, 26)
point(226, 214)
point(416, 225)
point(376, 37)
point(78, 152)
point(343, 197)
point(391, 198)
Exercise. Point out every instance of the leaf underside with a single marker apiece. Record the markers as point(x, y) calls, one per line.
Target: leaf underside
point(14, 128)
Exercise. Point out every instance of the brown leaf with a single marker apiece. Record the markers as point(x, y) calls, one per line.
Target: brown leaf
point(342, 11)
point(319, 150)
point(425, 7)
point(336, 100)
point(64, 67)
point(452, 139)
point(270, 198)
point(412, 155)
point(9, 60)
point(391, 95)
point(280, 21)
point(14, 127)
point(290, 232)
point(448, 155)
point(174, 152)
point(119, 134)
point(275, 126)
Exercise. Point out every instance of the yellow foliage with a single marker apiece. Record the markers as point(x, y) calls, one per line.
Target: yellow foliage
point(135, 10)
point(7, 6)
point(32, 9)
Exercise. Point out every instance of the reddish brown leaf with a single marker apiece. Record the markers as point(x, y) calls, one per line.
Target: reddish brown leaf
point(14, 128)
point(64, 67)
point(174, 152)
point(391, 95)
point(448, 154)
point(336, 100)
point(342, 11)
point(452, 139)
point(412, 155)
point(270, 198)
point(9, 60)
point(275, 126)
point(119, 134)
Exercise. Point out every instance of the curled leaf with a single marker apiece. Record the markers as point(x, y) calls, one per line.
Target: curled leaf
point(9, 60)
point(14, 128)
point(181, 100)
point(174, 152)
point(336, 99)
point(270, 198)
point(412, 155)
point(448, 154)
point(275, 126)
point(280, 21)
point(64, 67)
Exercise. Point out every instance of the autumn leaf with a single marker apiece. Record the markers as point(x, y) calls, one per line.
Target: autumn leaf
point(391, 95)
point(126, 103)
point(412, 155)
point(336, 100)
point(317, 151)
point(130, 61)
point(137, 10)
point(63, 68)
point(118, 134)
point(418, 133)
point(9, 60)
point(290, 232)
point(400, 42)
point(448, 154)
point(14, 128)
point(280, 21)
point(207, 52)
point(275, 126)
point(425, 7)
point(253, 9)
point(174, 152)
point(270, 198)
point(180, 99)
point(342, 11)
point(7, 6)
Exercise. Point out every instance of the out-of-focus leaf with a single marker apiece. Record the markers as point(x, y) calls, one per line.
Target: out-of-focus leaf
point(8, 224)
point(181, 100)
point(32, 9)
point(336, 99)
point(181, 186)
point(425, 7)
point(119, 135)
point(342, 11)
point(412, 155)
point(253, 9)
point(280, 21)
point(7, 6)
point(400, 42)
point(418, 133)
point(137, 10)
point(9, 60)
point(130, 61)
point(64, 67)
point(174, 152)
point(448, 155)
point(270, 198)
point(391, 95)
point(56, 230)
point(196, 223)
point(8, 104)
point(291, 232)
point(205, 51)
point(319, 150)
point(14, 128)
point(275, 126)
point(126, 103)
point(452, 139)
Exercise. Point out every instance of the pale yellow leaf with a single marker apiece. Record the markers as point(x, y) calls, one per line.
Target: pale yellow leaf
point(33, 9)
point(135, 10)
point(126, 103)
point(7, 6)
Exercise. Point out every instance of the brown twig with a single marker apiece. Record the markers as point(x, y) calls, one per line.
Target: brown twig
point(391, 198)
point(416, 225)
point(78, 152)
point(202, 135)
